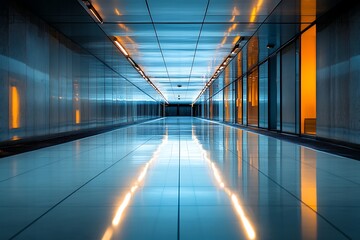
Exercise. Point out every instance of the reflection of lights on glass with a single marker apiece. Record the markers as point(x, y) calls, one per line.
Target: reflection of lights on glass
point(121, 209)
point(125, 202)
point(255, 11)
point(249, 229)
point(117, 12)
point(108, 234)
point(234, 199)
point(143, 173)
point(217, 175)
point(15, 138)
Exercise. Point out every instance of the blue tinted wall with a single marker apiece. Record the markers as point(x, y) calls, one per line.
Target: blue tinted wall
point(50, 85)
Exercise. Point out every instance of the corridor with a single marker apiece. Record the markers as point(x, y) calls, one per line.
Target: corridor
point(179, 178)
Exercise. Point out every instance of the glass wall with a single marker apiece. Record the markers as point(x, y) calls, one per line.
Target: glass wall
point(253, 83)
point(261, 86)
point(244, 85)
point(64, 88)
point(253, 98)
point(239, 89)
point(263, 95)
point(211, 104)
point(274, 99)
point(289, 89)
point(227, 95)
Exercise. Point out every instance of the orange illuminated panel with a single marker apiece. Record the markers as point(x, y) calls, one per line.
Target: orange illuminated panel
point(227, 94)
point(239, 101)
point(253, 97)
point(14, 108)
point(77, 116)
point(239, 92)
point(211, 105)
point(308, 12)
point(253, 82)
point(76, 102)
point(308, 81)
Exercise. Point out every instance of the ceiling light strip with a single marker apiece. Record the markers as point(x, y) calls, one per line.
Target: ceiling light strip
point(133, 63)
point(117, 43)
point(120, 47)
point(93, 11)
point(222, 66)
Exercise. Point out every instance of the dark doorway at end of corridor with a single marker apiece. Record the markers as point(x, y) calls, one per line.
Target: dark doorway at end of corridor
point(178, 110)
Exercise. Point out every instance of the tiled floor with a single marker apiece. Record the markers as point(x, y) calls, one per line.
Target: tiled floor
point(179, 178)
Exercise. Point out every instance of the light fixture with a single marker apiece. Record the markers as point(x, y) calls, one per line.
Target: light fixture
point(179, 85)
point(270, 45)
point(93, 10)
point(227, 60)
point(121, 48)
point(131, 61)
point(141, 72)
point(235, 49)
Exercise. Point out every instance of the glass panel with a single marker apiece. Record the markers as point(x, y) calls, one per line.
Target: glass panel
point(239, 89)
point(227, 95)
point(308, 81)
point(244, 85)
point(263, 96)
point(253, 82)
point(211, 106)
point(289, 89)
point(278, 89)
point(253, 98)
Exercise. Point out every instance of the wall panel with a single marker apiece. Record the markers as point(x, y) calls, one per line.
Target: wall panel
point(49, 85)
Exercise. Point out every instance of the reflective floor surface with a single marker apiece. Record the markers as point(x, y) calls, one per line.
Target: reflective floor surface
point(179, 178)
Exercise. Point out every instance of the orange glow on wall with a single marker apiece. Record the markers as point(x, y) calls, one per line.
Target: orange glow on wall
point(253, 82)
point(227, 94)
point(255, 11)
point(239, 91)
point(14, 108)
point(211, 105)
point(76, 102)
point(308, 12)
point(308, 81)
point(77, 116)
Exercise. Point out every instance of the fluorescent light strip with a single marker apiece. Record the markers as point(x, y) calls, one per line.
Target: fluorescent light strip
point(96, 14)
point(93, 10)
point(131, 61)
point(121, 48)
point(234, 51)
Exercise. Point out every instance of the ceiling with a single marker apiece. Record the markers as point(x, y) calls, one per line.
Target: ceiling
point(175, 42)
point(181, 42)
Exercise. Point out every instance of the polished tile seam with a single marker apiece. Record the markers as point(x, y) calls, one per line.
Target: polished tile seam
point(289, 192)
point(76, 190)
point(44, 165)
point(179, 181)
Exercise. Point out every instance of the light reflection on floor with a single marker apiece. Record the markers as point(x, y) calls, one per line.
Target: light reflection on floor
point(179, 178)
